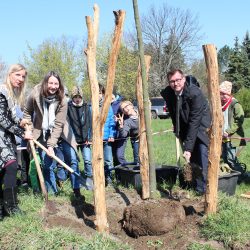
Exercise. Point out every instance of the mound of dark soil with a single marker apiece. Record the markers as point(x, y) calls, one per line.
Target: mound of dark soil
point(149, 218)
point(152, 217)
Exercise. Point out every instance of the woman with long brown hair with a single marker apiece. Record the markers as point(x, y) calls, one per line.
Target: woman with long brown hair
point(47, 108)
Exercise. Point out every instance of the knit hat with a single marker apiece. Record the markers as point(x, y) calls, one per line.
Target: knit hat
point(226, 87)
point(76, 91)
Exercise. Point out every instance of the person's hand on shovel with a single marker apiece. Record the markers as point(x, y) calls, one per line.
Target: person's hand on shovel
point(28, 135)
point(187, 156)
point(24, 123)
point(28, 132)
point(51, 152)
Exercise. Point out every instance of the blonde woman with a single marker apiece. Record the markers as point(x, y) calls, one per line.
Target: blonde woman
point(11, 96)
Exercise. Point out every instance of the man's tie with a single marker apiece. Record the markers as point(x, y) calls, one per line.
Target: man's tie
point(177, 118)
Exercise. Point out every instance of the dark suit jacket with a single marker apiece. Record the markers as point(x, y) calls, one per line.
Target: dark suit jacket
point(195, 117)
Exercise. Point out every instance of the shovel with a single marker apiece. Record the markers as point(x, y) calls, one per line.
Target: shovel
point(38, 168)
point(187, 168)
point(82, 181)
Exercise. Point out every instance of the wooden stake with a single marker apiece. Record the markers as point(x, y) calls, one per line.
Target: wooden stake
point(38, 168)
point(152, 174)
point(215, 132)
point(98, 118)
point(143, 147)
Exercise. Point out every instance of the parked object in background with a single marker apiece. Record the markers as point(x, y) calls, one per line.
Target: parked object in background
point(158, 108)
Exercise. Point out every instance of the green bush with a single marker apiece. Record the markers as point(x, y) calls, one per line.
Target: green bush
point(243, 96)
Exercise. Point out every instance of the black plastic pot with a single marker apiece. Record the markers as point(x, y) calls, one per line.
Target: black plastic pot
point(130, 175)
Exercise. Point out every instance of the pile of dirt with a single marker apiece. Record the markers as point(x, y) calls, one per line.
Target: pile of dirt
point(164, 223)
point(152, 217)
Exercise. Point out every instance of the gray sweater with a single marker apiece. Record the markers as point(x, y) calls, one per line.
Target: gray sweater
point(130, 128)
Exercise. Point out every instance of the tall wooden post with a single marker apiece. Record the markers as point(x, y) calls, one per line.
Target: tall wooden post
point(216, 128)
point(99, 117)
point(143, 147)
point(152, 175)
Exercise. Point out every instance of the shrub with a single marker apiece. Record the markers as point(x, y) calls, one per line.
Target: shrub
point(243, 96)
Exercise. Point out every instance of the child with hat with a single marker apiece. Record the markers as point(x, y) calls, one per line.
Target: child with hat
point(233, 126)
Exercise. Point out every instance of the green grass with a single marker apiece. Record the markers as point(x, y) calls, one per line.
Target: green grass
point(230, 224)
point(29, 232)
point(199, 246)
point(164, 151)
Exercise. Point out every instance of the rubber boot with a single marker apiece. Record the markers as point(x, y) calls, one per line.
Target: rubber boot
point(1, 209)
point(77, 194)
point(10, 201)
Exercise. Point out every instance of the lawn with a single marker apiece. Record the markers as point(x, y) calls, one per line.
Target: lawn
point(231, 225)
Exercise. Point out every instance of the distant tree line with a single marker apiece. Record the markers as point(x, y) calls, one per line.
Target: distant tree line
point(234, 64)
point(172, 37)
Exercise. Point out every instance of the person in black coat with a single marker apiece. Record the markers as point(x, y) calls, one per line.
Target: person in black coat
point(190, 114)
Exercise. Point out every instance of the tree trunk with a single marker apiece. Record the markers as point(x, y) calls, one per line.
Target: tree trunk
point(116, 43)
point(152, 176)
point(99, 117)
point(215, 132)
point(97, 150)
point(143, 147)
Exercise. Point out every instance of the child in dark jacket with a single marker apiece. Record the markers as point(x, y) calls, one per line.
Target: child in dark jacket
point(128, 126)
point(80, 119)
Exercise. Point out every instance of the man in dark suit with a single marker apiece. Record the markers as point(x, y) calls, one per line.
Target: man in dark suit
point(190, 114)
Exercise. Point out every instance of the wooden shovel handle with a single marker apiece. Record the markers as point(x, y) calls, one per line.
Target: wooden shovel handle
point(38, 168)
point(54, 156)
point(177, 147)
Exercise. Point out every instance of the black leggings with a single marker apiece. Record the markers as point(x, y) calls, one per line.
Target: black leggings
point(8, 176)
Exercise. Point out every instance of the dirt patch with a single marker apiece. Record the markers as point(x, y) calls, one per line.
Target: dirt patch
point(79, 216)
point(152, 217)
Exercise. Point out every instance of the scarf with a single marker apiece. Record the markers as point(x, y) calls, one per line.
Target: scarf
point(226, 105)
point(48, 114)
point(77, 105)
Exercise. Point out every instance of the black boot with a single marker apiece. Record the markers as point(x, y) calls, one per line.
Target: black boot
point(77, 194)
point(1, 209)
point(10, 201)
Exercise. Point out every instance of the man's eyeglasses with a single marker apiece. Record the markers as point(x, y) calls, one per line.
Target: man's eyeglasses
point(175, 81)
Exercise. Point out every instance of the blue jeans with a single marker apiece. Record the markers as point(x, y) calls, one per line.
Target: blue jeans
point(61, 173)
point(108, 159)
point(70, 158)
point(121, 146)
point(229, 156)
point(48, 165)
point(87, 158)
